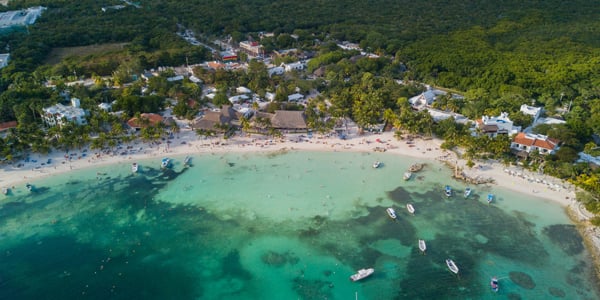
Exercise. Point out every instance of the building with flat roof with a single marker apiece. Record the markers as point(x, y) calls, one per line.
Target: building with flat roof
point(22, 17)
point(56, 114)
point(4, 57)
point(252, 48)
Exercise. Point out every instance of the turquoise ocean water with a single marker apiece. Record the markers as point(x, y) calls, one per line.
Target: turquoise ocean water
point(290, 225)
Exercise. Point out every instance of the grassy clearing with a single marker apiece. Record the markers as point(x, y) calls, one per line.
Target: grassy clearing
point(58, 54)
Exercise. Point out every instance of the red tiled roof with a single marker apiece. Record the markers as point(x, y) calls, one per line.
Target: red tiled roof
point(152, 118)
point(549, 143)
point(8, 125)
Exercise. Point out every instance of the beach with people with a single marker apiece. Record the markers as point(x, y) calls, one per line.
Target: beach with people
point(37, 166)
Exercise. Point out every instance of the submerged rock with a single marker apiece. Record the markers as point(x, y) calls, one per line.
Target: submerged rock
point(566, 237)
point(521, 279)
point(556, 292)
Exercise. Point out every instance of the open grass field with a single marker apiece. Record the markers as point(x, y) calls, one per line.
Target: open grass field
point(57, 54)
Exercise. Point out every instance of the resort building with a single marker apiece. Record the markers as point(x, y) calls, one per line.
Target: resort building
point(252, 48)
point(58, 114)
point(212, 119)
point(283, 120)
point(22, 17)
point(528, 142)
point(4, 57)
point(493, 126)
point(146, 120)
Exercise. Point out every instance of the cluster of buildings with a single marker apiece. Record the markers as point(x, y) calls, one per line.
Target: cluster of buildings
point(523, 141)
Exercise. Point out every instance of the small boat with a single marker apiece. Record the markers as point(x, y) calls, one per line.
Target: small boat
point(187, 161)
point(494, 284)
point(362, 273)
point(407, 175)
point(467, 192)
point(134, 167)
point(165, 162)
point(29, 187)
point(5, 190)
point(391, 212)
point(490, 198)
point(422, 246)
point(452, 266)
point(448, 191)
point(416, 167)
point(410, 208)
point(376, 165)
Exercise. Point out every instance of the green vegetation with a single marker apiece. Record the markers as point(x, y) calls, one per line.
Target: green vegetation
point(499, 55)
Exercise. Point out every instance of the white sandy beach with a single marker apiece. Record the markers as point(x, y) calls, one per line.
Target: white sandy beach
point(188, 143)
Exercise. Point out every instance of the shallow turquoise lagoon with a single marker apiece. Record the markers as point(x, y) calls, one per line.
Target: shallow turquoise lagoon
point(288, 225)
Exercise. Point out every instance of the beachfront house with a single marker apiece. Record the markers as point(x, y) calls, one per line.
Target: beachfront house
point(145, 120)
point(217, 119)
point(528, 142)
point(493, 126)
point(58, 114)
point(282, 120)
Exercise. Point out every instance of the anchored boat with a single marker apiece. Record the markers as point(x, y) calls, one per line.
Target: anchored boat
point(361, 274)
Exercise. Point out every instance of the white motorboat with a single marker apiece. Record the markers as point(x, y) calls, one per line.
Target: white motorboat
point(29, 187)
point(452, 266)
point(410, 208)
point(422, 246)
point(5, 190)
point(187, 161)
point(376, 165)
point(407, 175)
point(165, 162)
point(391, 212)
point(134, 167)
point(361, 274)
point(467, 192)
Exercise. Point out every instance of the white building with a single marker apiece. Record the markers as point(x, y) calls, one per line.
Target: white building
point(243, 90)
point(238, 98)
point(276, 71)
point(270, 96)
point(529, 142)
point(4, 57)
point(532, 111)
point(22, 17)
point(295, 97)
point(296, 66)
point(493, 126)
point(57, 114)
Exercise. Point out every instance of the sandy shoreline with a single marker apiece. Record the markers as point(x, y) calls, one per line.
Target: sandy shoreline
point(188, 143)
